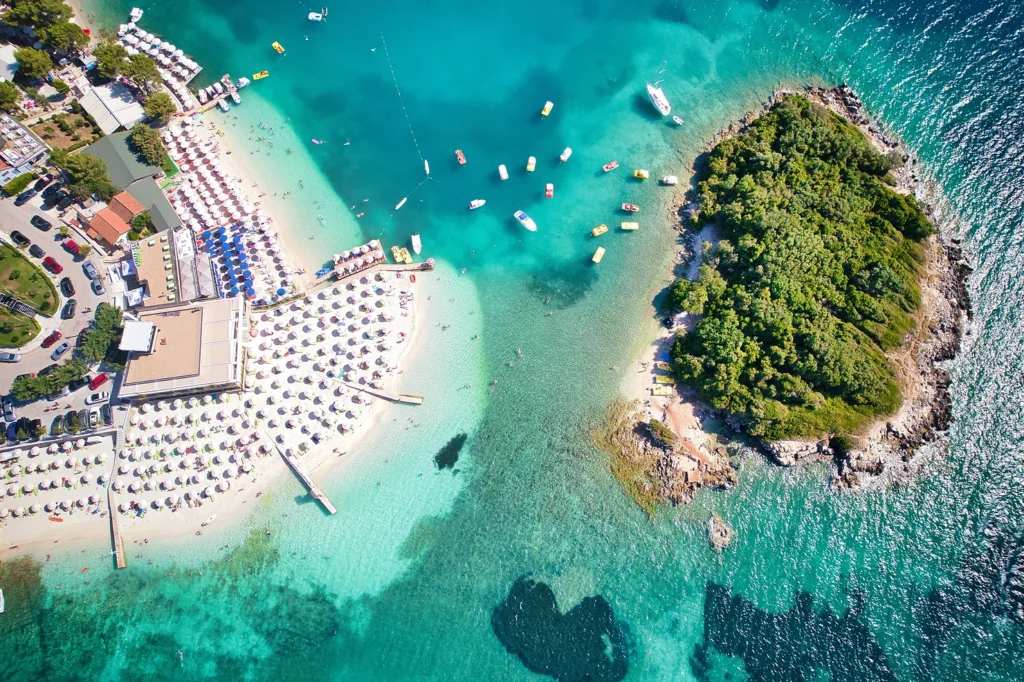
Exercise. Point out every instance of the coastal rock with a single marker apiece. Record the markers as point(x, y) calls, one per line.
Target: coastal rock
point(792, 452)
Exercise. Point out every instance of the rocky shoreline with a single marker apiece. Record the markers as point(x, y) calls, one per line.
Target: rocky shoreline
point(887, 451)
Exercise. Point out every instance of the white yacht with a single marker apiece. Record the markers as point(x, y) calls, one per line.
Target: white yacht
point(670, 180)
point(135, 15)
point(242, 82)
point(503, 172)
point(477, 203)
point(417, 245)
point(658, 99)
point(315, 16)
point(526, 221)
point(564, 156)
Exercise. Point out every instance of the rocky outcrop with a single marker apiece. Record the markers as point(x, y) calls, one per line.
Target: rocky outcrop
point(791, 452)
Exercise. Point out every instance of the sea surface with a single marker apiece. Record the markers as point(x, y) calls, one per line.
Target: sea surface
point(522, 559)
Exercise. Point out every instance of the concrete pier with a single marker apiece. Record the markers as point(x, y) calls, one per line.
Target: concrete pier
point(115, 532)
point(314, 489)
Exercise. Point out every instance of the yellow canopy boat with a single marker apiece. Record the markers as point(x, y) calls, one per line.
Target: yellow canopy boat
point(599, 230)
point(630, 226)
point(396, 253)
point(662, 390)
point(598, 255)
point(277, 46)
point(261, 74)
point(548, 106)
point(662, 365)
point(664, 380)
point(641, 174)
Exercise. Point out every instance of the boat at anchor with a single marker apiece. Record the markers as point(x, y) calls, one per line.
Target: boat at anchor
point(477, 203)
point(503, 172)
point(526, 221)
point(657, 96)
point(564, 156)
point(417, 244)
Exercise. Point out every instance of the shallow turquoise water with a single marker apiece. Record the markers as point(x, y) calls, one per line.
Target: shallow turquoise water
point(912, 583)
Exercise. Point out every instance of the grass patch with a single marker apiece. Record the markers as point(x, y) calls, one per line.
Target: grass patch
point(168, 167)
point(64, 131)
point(25, 281)
point(16, 329)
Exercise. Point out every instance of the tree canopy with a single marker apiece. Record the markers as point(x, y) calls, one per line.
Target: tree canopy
point(100, 341)
point(87, 174)
point(39, 14)
point(111, 59)
point(142, 70)
point(65, 36)
point(27, 387)
point(9, 96)
point(160, 107)
point(146, 142)
point(32, 63)
point(814, 278)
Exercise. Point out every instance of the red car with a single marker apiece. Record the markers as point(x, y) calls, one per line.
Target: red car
point(52, 265)
point(72, 246)
point(97, 381)
point(52, 338)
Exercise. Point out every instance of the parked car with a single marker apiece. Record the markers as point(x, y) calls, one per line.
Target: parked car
point(106, 414)
point(67, 287)
point(64, 392)
point(20, 239)
point(37, 251)
point(90, 270)
point(65, 201)
point(59, 351)
point(10, 357)
point(83, 416)
point(12, 433)
point(94, 418)
point(101, 397)
point(52, 339)
point(69, 309)
point(42, 182)
point(52, 265)
point(71, 246)
point(25, 197)
point(97, 381)
point(50, 192)
point(78, 383)
point(97, 287)
point(41, 223)
point(9, 409)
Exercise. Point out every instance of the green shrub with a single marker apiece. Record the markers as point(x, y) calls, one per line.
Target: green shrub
point(18, 184)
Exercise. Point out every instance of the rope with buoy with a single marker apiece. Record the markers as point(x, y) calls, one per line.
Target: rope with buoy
point(405, 111)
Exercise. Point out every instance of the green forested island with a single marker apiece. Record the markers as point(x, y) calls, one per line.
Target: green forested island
point(815, 275)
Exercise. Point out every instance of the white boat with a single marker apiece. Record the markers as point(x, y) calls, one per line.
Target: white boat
point(670, 180)
point(678, 120)
point(526, 221)
point(426, 167)
point(208, 521)
point(1, 601)
point(564, 156)
point(417, 245)
point(235, 97)
point(531, 164)
point(218, 87)
point(241, 82)
point(657, 97)
point(315, 16)
point(223, 105)
point(477, 203)
point(401, 203)
point(135, 14)
point(503, 172)
point(203, 99)
point(210, 92)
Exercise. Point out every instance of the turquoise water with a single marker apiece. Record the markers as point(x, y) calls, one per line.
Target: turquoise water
point(421, 568)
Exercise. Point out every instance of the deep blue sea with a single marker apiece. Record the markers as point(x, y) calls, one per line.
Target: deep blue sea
point(526, 561)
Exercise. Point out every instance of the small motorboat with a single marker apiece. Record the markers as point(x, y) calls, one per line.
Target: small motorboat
point(599, 230)
point(526, 221)
point(531, 164)
point(400, 204)
point(548, 106)
point(670, 180)
point(461, 157)
point(678, 120)
point(564, 156)
point(477, 203)
point(630, 227)
point(417, 245)
point(211, 92)
point(598, 255)
point(241, 82)
point(641, 174)
point(396, 253)
point(135, 14)
point(223, 105)
point(426, 167)
point(323, 11)
point(315, 16)
point(203, 99)
point(503, 172)
point(316, 141)
point(549, 190)
point(610, 166)
point(278, 47)
point(261, 74)
point(235, 97)
point(630, 208)
point(218, 88)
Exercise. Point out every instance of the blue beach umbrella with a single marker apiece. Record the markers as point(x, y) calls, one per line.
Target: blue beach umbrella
point(206, 234)
point(247, 274)
point(281, 292)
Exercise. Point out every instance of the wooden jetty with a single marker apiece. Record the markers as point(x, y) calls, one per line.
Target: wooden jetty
point(115, 532)
point(314, 489)
point(384, 395)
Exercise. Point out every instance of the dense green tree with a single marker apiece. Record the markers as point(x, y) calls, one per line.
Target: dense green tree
point(65, 36)
point(111, 59)
point(28, 387)
point(61, 87)
point(9, 96)
point(142, 70)
point(104, 334)
point(160, 107)
point(815, 276)
point(39, 14)
point(146, 142)
point(32, 63)
point(87, 174)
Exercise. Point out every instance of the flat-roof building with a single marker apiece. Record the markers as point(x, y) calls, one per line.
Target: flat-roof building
point(196, 348)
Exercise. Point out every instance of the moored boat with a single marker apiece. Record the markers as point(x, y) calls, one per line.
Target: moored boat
point(218, 88)
point(241, 82)
point(396, 253)
point(461, 157)
point(406, 257)
point(549, 190)
point(598, 255)
point(641, 174)
point(670, 180)
point(278, 47)
point(426, 167)
point(315, 16)
point(476, 203)
point(531, 163)
point(610, 166)
point(548, 106)
point(417, 244)
point(400, 204)
point(526, 221)
point(261, 74)
point(629, 227)
point(503, 172)
point(631, 208)
point(564, 156)
point(316, 141)
point(203, 99)
point(235, 97)
point(678, 120)
point(135, 14)
point(223, 105)
point(599, 230)
point(658, 99)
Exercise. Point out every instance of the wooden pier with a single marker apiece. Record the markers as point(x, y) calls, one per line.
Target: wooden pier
point(384, 395)
point(115, 532)
point(314, 489)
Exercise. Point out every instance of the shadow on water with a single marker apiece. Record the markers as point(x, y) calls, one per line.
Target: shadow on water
point(586, 644)
point(789, 645)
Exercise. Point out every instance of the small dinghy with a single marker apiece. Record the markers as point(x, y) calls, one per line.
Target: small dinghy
point(610, 166)
point(316, 141)
point(476, 203)
point(549, 190)
point(460, 157)
point(670, 180)
point(503, 172)
point(417, 245)
point(400, 204)
point(564, 156)
point(678, 120)
point(630, 208)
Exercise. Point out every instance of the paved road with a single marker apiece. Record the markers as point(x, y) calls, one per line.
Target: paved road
point(33, 357)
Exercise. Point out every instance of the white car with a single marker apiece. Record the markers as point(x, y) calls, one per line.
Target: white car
point(101, 397)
